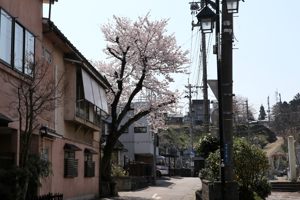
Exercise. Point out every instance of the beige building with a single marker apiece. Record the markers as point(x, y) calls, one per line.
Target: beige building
point(68, 135)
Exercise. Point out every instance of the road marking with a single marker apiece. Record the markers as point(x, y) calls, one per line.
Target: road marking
point(155, 196)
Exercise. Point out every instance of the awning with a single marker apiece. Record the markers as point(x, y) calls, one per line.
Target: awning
point(91, 151)
point(4, 120)
point(93, 92)
point(71, 147)
point(48, 132)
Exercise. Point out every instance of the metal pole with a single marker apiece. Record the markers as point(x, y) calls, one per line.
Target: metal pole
point(220, 97)
point(49, 14)
point(190, 115)
point(154, 158)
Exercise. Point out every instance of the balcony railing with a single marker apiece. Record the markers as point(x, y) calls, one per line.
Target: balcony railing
point(88, 112)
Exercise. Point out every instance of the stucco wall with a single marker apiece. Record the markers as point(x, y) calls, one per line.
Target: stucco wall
point(73, 132)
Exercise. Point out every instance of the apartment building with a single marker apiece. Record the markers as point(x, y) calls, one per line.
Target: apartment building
point(69, 135)
point(138, 140)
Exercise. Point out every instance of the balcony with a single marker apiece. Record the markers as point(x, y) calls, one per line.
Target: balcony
point(88, 112)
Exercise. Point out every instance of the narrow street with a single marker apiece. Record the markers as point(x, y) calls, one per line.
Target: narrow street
point(183, 188)
point(175, 188)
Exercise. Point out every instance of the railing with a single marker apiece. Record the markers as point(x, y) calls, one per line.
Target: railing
point(88, 111)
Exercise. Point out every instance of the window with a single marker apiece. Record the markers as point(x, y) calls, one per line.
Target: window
point(84, 108)
point(70, 163)
point(29, 52)
point(5, 37)
point(19, 38)
point(141, 129)
point(126, 131)
point(89, 164)
point(17, 44)
point(97, 115)
point(45, 154)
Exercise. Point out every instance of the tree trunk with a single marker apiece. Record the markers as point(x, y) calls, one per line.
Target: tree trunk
point(107, 184)
point(24, 188)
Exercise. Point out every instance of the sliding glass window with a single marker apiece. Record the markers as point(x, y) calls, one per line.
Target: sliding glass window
point(19, 43)
point(5, 37)
point(29, 53)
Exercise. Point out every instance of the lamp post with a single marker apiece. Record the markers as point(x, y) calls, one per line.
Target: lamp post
point(223, 50)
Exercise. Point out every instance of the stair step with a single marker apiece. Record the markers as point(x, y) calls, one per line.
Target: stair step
point(285, 186)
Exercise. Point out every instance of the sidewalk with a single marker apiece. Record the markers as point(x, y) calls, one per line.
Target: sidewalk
point(284, 196)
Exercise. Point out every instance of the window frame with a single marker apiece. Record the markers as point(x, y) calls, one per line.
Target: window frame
point(140, 129)
point(11, 37)
point(70, 164)
point(12, 62)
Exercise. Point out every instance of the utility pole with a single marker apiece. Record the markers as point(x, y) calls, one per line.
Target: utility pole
point(229, 188)
point(227, 93)
point(247, 120)
point(269, 117)
point(189, 96)
point(204, 78)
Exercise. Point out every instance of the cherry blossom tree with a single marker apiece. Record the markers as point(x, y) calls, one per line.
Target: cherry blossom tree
point(142, 57)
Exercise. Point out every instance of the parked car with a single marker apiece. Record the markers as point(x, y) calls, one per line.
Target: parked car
point(161, 166)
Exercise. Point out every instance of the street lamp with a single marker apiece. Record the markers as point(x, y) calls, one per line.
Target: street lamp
point(232, 6)
point(206, 19)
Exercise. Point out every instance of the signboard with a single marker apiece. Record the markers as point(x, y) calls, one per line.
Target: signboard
point(213, 84)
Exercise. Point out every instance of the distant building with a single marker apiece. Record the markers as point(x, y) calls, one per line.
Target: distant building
point(174, 119)
point(138, 140)
point(198, 111)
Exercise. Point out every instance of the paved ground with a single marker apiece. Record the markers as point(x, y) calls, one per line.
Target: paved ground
point(272, 148)
point(177, 188)
point(284, 196)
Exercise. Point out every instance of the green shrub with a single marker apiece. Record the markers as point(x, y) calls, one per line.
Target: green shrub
point(212, 170)
point(250, 167)
point(206, 145)
point(262, 188)
point(12, 179)
point(118, 171)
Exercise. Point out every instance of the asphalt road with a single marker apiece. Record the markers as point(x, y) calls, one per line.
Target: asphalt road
point(175, 188)
point(183, 188)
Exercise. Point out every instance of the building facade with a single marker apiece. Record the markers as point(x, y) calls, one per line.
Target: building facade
point(68, 136)
point(138, 140)
point(198, 111)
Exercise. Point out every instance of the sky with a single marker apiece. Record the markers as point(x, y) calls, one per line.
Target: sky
point(266, 45)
